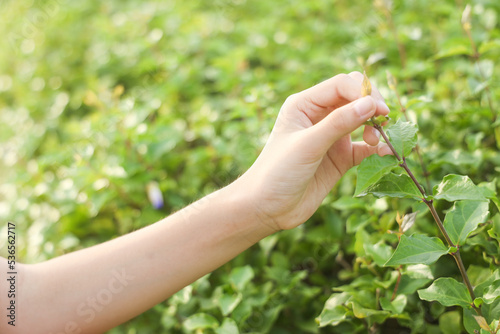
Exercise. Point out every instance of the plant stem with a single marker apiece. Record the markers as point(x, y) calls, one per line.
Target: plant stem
point(417, 147)
point(396, 287)
point(439, 223)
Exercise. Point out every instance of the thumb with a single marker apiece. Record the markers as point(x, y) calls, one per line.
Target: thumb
point(343, 121)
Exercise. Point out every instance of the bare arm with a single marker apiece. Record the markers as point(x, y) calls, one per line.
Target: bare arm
point(95, 289)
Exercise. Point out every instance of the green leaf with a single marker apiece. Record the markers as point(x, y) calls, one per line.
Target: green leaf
point(469, 322)
point(395, 306)
point(372, 169)
point(240, 276)
point(449, 322)
point(394, 185)
point(448, 292)
point(489, 45)
point(364, 312)
point(200, 321)
point(453, 51)
point(491, 293)
point(229, 326)
point(403, 136)
point(228, 303)
point(380, 252)
point(458, 187)
point(464, 218)
point(417, 249)
point(334, 311)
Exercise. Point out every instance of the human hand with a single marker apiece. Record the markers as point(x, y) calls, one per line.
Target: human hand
point(310, 148)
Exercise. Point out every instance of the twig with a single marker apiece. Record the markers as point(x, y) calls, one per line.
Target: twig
point(417, 147)
point(429, 203)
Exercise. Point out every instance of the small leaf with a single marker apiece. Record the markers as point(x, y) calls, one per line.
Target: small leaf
point(449, 322)
point(372, 169)
point(489, 45)
point(361, 312)
point(464, 218)
point(240, 276)
point(481, 321)
point(391, 80)
point(491, 293)
point(417, 249)
point(228, 303)
point(448, 292)
point(200, 321)
point(394, 185)
point(378, 120)
point(229, 326)
point(366, 86)
point(458, 187)
point(380, 252)
point(408, 221)
point(482, 287)
point(403, 136)
point(466, 17)
point(395, 306)
point(334, 311)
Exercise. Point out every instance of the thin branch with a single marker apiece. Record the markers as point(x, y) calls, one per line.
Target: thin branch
point(417, 147)
point(396, 287)
point(439, 223)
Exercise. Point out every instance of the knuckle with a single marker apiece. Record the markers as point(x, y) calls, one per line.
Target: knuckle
point(292, 100)
point(356, 74)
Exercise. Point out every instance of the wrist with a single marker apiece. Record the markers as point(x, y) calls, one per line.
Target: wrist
point(240, 202)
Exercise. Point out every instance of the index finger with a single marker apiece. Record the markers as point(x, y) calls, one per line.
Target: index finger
point(318, 101)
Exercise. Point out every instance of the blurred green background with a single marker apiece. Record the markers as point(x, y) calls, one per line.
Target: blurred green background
point(100, 99)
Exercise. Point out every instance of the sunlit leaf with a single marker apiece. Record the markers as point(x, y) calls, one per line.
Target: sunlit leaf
point(334, 311)
point(448, 292)
point(464, 218)
point(417, 249)
point(394, 185)
point(372, 169)
point(200, 321)
point(403, 136)
point(458, 187)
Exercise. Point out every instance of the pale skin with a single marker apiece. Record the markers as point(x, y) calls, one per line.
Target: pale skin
point(308, 151)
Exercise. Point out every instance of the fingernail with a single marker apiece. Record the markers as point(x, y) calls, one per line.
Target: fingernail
point(375, 132)
point(364, 106)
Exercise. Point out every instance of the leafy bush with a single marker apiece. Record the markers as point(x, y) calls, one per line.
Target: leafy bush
point(101, 99)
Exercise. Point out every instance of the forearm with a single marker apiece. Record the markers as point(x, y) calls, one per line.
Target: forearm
point(98, 288)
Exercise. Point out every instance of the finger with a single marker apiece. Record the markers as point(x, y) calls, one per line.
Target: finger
point(371, 135)
point(318, 101)
point(382, 108)
point(361, 150)
point(341, 122)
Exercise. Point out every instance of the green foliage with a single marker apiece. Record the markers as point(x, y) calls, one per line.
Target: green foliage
point(417, 249)
point(403, 136)
point(393, 185)
point(456, 188)
point(100, 99)
point(464, 218)
point(448, 292)
point(372, 169)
